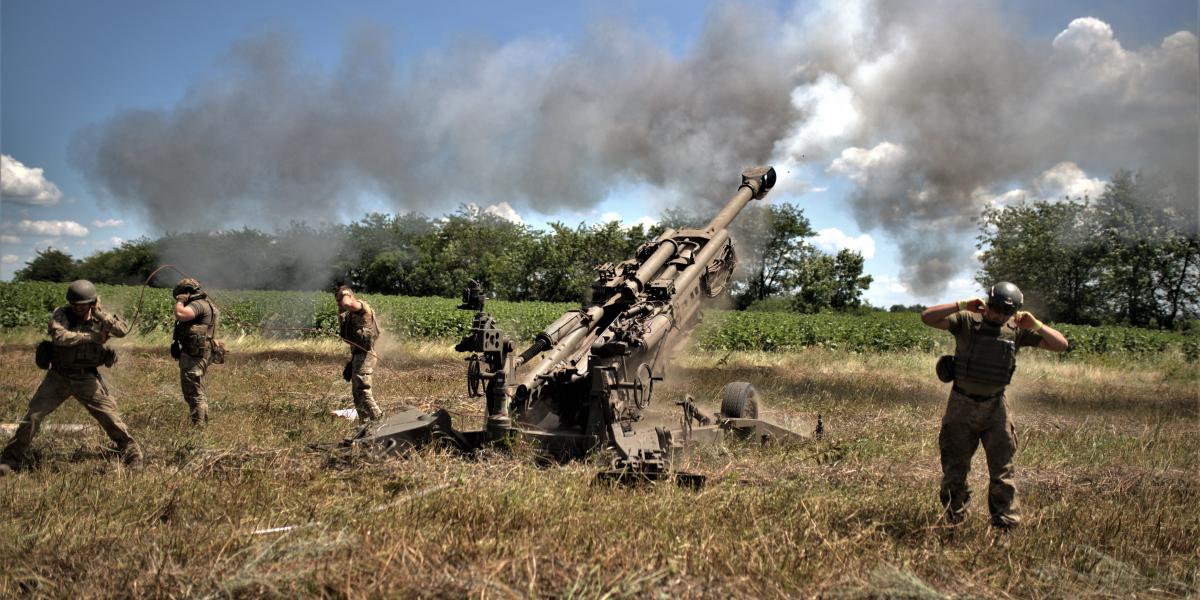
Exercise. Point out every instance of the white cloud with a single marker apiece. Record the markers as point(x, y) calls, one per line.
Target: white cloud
point(9, 240)
point(9, 259)
point(116, 241)
point(52, 228)
point(646, 222)
point(862, 166)
point(1008, 198)
point(19, 183)
point(832, 240)
point(832, 116)
point(1066, 179)
point(108, 223)
point(504, 211)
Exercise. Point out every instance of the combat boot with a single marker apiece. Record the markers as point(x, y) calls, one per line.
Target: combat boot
point(9, 464)
point(1005, 522)
point(131, 455)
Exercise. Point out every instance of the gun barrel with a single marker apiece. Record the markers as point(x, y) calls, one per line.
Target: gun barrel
point(756, 182)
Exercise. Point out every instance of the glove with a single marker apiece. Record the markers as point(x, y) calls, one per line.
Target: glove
point(348, 370)
point(183, 299)
point(176, 350)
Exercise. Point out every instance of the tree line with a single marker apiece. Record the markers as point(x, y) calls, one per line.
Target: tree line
point(411, 254)
point(1131, 256)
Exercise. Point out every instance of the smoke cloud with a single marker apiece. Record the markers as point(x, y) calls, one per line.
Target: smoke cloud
point(938, 108)
point(932, 111)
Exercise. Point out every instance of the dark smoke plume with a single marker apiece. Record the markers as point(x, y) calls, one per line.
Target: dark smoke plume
point(934, 110)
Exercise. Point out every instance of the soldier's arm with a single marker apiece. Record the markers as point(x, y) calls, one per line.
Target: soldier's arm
point(183, 312)
point(1051, 338)
point(61, 335)
point(114, 325)
point(938, 316)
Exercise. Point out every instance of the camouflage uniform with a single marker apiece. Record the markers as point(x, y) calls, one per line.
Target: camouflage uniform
point(195, 340)
point(360, 330)
point(73, 372)
point(977, 412)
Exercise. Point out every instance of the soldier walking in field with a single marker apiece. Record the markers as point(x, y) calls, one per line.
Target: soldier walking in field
point(195, 330)
point(988, 334)
point(78, 333)
point(358, 327)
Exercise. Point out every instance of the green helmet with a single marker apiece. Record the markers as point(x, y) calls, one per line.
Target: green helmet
point(81, 291)
point(1005, 297)
point(187, 285)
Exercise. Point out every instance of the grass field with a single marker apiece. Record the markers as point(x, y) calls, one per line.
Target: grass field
point(1107, 476)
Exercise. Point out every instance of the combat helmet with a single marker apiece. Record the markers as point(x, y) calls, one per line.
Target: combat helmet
point(1005, 297)
point(187, 285)
point(81, 291)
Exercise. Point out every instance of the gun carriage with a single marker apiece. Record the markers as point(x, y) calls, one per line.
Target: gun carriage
point(599, 364)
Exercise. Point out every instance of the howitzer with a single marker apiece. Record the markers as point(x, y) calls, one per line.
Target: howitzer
point(599, 364)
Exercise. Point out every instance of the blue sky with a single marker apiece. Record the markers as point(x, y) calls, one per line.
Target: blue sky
point(65, 66)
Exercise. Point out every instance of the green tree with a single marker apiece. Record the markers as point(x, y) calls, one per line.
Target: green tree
point(1051, 251)
point(1151, 251)
point(128, 264)
point(772, 266)
point(49, 265)
point(848, 281)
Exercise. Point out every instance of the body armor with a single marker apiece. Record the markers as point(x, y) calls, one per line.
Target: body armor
point(359, 328)
point(86, 355)
point(991, 356)
point(195, 336)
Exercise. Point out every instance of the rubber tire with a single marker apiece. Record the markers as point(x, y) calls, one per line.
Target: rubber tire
point(739, 400)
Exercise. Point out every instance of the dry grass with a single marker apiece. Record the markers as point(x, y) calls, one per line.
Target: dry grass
point(245, 509)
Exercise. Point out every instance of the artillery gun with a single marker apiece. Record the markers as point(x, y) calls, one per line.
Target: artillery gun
point(599, 364)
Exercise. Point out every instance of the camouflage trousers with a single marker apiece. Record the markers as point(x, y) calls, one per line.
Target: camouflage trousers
point(191, 380)
point(362, 368)
point(88, 387)
point(968, 423)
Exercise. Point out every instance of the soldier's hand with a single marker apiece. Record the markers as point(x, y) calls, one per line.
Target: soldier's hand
point(1025, 320)
point(100, 337)
point(182, 298)
point(975, 305)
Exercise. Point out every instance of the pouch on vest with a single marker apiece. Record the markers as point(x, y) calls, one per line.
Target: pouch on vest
point(217, 350)
point(43, 355)
point(108, 356)
point(945, 368)
point(176, 350)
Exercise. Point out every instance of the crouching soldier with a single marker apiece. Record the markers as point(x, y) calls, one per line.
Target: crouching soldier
point(195, 330)
point(76, 349)
point(358, 328)
point(988, 334)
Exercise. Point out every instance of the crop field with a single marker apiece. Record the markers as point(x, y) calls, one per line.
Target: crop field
point(1107, 472)
point(313, 315)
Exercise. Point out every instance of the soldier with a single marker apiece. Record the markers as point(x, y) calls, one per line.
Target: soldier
point(358, 328)
point(988, 334)
point(78, 333)
point(195, 327)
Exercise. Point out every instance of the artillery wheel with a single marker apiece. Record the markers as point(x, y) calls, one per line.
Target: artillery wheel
point(739, 400)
